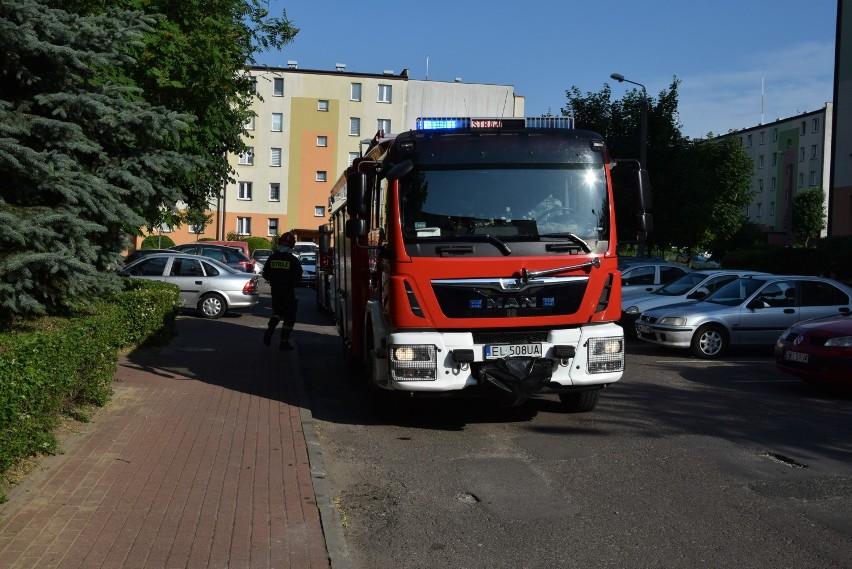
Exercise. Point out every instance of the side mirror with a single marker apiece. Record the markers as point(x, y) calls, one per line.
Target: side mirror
point(397, 171)
point(356, 184)
point(356, 227)
point(643, 187)
point(755, 303)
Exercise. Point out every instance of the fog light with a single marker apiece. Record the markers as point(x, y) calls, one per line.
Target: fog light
point(413, 363)
point(606, 355)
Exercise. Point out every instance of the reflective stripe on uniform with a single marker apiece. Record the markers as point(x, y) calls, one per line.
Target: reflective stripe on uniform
point(279, 264)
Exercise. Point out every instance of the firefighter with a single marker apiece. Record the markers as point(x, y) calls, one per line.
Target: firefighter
point(283, 272)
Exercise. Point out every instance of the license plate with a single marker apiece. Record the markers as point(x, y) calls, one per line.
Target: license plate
point(642, 329)
point(796, 357)
point(498, 351)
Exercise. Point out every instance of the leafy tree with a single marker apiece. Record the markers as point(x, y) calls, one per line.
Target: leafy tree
point(698, 188)
point(81, 155)
point(809, 216)
point(197, 218)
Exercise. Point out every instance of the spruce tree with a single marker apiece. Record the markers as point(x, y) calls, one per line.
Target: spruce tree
point(82, 155)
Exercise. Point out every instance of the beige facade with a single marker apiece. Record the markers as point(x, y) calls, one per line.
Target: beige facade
point(840, 203)
point(310, 125)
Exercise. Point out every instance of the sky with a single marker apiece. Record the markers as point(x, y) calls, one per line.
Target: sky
point(740, 63)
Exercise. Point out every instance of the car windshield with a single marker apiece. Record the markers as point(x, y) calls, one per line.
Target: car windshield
point(510, 203)
point(307, 260)
point(682, 285)
point(735, 292)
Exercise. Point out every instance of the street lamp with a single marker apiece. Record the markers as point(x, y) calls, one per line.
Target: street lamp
point(643, 152)
point(643, 140)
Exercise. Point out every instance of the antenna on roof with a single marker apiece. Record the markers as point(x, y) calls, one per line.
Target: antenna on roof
point(427, 68)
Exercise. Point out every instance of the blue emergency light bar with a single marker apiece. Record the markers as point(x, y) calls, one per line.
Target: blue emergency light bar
point(493, 123)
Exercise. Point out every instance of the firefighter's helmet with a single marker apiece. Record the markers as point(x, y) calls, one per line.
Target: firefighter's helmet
point(287, 240)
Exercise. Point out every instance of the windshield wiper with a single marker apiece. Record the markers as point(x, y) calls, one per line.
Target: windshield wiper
point(487, 238)
point(571, 237)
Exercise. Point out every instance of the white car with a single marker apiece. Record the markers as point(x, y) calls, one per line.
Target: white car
point(642, 278)
point(751, 311)
point(691, 286)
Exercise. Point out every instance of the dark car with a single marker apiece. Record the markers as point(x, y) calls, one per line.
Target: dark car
point(231, 256)
point(818, 350)
point(139, 253)
point(260, 256)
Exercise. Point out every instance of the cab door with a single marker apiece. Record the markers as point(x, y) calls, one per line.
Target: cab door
point(188, 275)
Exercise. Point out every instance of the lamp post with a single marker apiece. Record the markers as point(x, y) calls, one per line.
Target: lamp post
point(643, 140)
point(643, 147)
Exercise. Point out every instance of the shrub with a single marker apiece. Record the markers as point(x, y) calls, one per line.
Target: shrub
point(157, 242)
point(257, 243)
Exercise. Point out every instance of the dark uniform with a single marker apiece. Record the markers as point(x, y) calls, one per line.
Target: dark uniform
point(284, 272)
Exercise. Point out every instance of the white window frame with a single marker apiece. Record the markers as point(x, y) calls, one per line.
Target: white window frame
point(277, 86)
point(813, 178)
point(277, 121)
point(322, 105)
point(243, 226)
point(272, 227)
point(319, 211)
point(815, 125)
point(813, 151)
point(354, 126)
point(760, 162)
point(760, 185)
point(353, 156)
point(247, 158)
point(196, 229)
point(322, 141)
point(381, 123)
point(249, 124)
point(275, 191)
point(801, 154)
point(385, 93)
point(322, 176)
point(275, 157)
point(355, 92)
point(244, 190)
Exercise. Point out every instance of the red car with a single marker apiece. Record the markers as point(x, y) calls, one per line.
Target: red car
point(818, 350)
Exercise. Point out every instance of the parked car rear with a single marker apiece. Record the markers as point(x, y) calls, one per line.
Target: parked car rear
point(207, 285)
point(232, 257)
point(260, 256)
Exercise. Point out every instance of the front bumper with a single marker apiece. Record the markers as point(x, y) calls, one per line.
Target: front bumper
point(672, 336)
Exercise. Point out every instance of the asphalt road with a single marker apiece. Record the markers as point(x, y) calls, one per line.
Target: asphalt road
point(684, 463)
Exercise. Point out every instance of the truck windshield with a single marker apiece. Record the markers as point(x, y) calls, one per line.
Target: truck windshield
point(511, 203)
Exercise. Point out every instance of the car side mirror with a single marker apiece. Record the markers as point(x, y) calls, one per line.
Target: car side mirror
point(756, 303)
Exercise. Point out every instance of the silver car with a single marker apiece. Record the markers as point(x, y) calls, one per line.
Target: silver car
point(751, 310)
point(691, 286)
point(205, 284)
point(641, 278)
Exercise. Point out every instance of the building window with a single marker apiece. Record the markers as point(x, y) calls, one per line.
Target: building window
point(804, 127)
point(801, 179)
point(278, 87)
point(244, 226)
point(759, 209)
point(760, 185)
point(772, 184)
point(319, 211)
point(253, 87)
point(322, 141)
point(277, 122)
point(354, 126)
point(384, 125)
point(196, 229)
point(272, 226)
point(322, 176)
point(353, 156)
point(816, 125)
point(249, 124)
point(801, 154)
point(771, 208)
point(275, 157)
point(774, 158)
point(274, 192)
point(244, 191)
point(813, 151)
point(165, 228)
point(748, 141)
point(774, 135)
point(813, 178)
point(760, 161)
point(789, 143)
point(322, 105)
point(247, 157)
point(385, 94)
point(762, 137)
point(355, 93)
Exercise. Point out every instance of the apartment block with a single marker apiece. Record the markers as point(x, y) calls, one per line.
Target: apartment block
point(789, 155)
point(310, 125)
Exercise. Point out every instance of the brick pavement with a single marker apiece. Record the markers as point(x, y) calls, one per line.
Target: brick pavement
point(199, 461)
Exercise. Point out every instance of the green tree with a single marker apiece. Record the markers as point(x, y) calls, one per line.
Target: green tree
point(81, 155)
point(698, 188)
point(809, 216)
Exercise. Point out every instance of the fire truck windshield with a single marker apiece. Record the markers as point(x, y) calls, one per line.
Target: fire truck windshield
point(520, 203)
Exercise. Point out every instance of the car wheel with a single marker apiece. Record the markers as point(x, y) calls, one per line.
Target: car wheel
point(212, 306)
point(709, 342)
point(580, 402)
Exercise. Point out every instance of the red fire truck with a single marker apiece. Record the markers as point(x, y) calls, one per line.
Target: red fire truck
point(478, 256)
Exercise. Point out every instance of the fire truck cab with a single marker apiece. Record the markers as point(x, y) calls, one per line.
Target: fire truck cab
point(478, 256)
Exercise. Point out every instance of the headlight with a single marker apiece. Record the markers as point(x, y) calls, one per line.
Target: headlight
point(632, 310)
point(413, 363)
point(605, 355)
point(843, 342)
point(673, 321)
